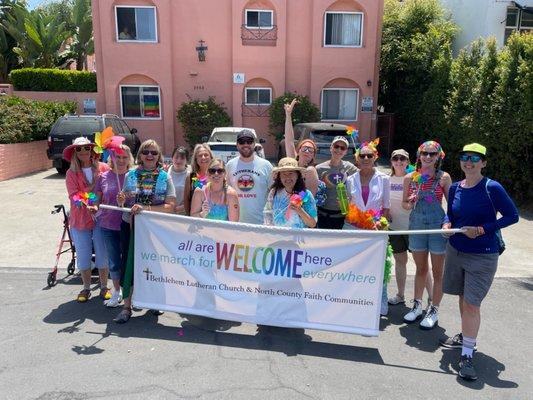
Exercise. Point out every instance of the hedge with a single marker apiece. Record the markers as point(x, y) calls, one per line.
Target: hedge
point(25, 120)
point(53, 80)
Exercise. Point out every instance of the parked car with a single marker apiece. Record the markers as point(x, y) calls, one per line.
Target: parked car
point(322, 133)
point(223, 143)
point(69, 127)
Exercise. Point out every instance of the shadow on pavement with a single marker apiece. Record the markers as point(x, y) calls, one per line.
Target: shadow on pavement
point(488, 370)
point(206, 331)
point(523, 283)
point(424, 340)
point(55, 175)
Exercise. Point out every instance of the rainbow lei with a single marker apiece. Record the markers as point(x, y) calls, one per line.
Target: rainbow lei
point(84, 198)
point(199, 181)
point(365, 219)
point(410, 168)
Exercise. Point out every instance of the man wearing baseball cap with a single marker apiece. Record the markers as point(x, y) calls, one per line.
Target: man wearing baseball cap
point(250, 175)
point(332, 172)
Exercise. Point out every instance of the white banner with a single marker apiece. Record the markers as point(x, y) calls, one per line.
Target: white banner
point(316, 279)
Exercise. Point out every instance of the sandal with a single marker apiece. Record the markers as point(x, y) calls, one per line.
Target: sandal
point(123, 316)
point(83, 296)
point(105, 294)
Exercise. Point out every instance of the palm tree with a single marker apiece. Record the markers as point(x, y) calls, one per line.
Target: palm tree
point(82, 39)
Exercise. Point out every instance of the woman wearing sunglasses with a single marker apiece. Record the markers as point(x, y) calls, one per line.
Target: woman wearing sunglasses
point(147, 187)
point(305, 152)
point(423, 190)
point(197, 178)
point(81, 178)
point(333, 172)
point(399, 221)
point(369, 190)
point(216, 200)
point(472, 256)
point(289, 203)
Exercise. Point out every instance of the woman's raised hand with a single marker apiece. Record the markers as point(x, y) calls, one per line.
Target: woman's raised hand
point(290, 106)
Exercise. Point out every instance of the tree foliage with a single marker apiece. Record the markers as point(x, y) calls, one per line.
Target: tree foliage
point(304, 111)
point(199, 117)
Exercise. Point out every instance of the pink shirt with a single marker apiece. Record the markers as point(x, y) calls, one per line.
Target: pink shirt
point(365, 190)
point(80, 217)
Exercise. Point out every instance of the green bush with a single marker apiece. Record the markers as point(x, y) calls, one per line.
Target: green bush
point(53, 80)
point(199, 117)
point(304, 111)
point(25, 120)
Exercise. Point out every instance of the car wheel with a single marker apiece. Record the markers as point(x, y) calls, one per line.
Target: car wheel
point(62, 170)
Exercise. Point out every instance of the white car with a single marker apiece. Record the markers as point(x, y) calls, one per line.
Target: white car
point(223, 143)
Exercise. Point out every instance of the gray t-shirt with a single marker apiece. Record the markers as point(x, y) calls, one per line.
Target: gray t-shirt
point(251, 180)
point(178, 179)
point(331, 175)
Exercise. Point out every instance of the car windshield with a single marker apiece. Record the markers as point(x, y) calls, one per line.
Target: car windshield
point(84, 127)
point(223, 136)
point(325, 136)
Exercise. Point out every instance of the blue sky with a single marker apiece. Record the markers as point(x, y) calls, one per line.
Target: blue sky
point(34, 3)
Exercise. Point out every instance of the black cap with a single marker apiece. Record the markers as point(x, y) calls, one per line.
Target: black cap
point(246, 134)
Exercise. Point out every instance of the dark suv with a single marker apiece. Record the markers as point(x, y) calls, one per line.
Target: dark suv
point(69, 127)
point(322, 134)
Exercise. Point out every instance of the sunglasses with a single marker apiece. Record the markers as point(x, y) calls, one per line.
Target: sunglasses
point(399, 158)
point(472, 157)
point(152, 152)
point(245, 141)
point(80, 148)
point(338, 147)
point(428, 153)
point(307, 149)
point(369, 156)
point(213, 171)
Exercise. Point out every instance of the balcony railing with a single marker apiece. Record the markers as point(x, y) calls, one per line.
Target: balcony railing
point(251, 110)
point(259, 37)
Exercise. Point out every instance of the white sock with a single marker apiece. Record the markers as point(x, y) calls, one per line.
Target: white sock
point(468, 346)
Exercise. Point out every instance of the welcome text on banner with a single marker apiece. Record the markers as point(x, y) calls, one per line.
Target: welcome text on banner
point(328, 280)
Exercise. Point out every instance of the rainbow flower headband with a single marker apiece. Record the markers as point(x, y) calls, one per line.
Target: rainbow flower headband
point(373, 144)
point(431, 143)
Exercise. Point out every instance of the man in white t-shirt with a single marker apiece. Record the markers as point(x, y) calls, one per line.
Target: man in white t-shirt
point(251, 176)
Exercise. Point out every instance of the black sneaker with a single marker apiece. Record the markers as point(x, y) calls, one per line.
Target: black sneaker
point(455, 342)
point(466, 368)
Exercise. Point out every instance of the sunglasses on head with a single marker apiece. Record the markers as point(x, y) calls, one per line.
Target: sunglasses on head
point(428, 153)
point(213, 171)
point(472, 157)
point(307, 149)
point(245, 141)
point(399, 158)
point(80, 148)
point(366, 156)
point(339, 147)
point(152, 152)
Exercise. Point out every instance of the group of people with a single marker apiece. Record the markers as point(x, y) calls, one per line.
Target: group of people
point(335, 194)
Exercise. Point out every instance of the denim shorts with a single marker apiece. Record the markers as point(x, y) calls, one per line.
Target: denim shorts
point(427, 216)
point(84, 241)
point(114, 254)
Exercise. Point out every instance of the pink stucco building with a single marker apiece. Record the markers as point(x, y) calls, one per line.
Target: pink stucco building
point(148, 61)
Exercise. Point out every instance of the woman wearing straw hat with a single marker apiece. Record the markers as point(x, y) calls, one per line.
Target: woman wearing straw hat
point(472, 256)
point(80, 180)
point(289, 203)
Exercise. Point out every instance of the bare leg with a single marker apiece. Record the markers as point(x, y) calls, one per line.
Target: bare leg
point(470, 320)
point(86, 278)
point(437, 266)
point(103, 273)
point(421, 261)
point(400, 267)
point(429, 285)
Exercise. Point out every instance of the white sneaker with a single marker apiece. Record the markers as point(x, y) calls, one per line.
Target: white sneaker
point(396, 300)
point(415, 312)
point(431, 318)
point(115, 300)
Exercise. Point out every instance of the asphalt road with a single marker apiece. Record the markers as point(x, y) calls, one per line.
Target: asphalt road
point(53, 348)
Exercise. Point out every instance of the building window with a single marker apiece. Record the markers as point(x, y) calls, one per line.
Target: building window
point(258, 96)
point(140, 102)
point(517, 20)
point(136, 24)
point(259, 19)
point(343, 29)
point(340, 104)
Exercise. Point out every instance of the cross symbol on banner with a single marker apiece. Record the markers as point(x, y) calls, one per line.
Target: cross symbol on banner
point(147, 272)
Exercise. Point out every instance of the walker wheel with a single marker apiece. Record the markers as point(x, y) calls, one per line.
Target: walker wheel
point(51, 280)
point(71, 268)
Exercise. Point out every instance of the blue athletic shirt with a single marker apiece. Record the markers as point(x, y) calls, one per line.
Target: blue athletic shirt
point(473, 207)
